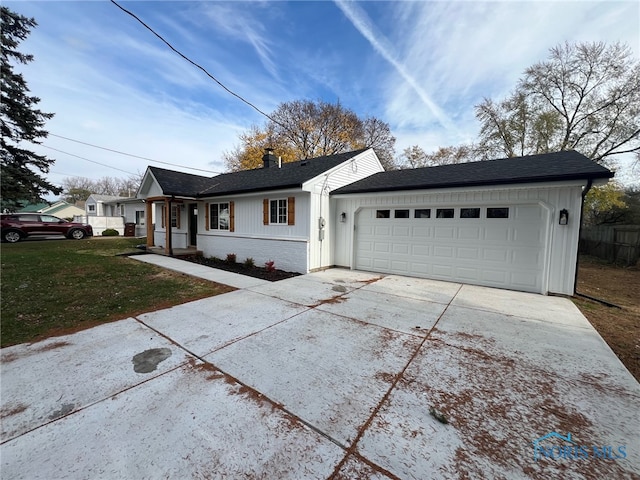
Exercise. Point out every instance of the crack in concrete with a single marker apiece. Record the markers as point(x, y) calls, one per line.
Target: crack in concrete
point(352, 449)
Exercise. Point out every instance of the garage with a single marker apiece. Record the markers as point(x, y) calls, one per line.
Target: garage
point(500, 246)
point(510, 223)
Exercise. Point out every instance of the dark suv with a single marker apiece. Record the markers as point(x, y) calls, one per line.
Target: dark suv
point(16, 226)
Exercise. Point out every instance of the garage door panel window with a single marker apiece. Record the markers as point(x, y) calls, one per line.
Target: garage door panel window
point(501, 212)
point(469, 213)
point(422, 213)
point(401, 214)
point(445, 213)
point(383, 213)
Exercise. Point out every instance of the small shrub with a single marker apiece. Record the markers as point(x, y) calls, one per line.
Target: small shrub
point(249, 263)
point(231, 258)
point(270, 266)
point(110, 232)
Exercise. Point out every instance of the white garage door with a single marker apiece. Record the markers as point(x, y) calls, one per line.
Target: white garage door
point(501, 246)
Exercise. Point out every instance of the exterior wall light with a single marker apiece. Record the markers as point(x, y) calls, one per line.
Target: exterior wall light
point(343, 217)
point(564, 217)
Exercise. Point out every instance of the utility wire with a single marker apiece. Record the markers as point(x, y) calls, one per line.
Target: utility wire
point(196, 64)
point(130, 154)
point(82, 158)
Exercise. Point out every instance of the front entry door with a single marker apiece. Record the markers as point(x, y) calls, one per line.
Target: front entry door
point(193, 224)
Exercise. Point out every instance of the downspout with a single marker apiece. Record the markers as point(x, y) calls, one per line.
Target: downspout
point(584, 194)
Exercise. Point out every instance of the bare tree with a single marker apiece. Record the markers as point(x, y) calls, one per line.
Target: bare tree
point(415, 157)
point(584, 97)
point(79, 188)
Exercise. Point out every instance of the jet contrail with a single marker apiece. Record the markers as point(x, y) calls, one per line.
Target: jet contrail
point(362, 23)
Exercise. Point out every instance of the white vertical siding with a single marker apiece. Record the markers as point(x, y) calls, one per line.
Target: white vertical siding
point(249, 220)
point(286, 245)
point(361, 166)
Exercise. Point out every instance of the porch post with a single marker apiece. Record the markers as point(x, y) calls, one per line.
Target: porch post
point(168, 249)
point(148, 218)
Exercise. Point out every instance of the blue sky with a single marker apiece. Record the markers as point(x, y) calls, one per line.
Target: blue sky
point(419, 66)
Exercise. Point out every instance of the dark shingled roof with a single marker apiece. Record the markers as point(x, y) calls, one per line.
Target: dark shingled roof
point(291, 175)
point(179, 184)
point(549, 167)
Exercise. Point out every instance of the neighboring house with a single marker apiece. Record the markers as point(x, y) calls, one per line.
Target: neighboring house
point(509, 223)
point(103, 206)
point(60, 209)
point(32, 207)
point(109, 211)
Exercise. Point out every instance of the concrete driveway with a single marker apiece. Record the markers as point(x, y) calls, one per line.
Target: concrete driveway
point(336, 374)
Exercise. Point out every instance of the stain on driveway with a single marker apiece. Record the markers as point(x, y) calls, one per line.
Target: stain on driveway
point(148, 361)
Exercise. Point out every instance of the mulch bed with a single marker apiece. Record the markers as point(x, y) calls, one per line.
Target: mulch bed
point(255, 271)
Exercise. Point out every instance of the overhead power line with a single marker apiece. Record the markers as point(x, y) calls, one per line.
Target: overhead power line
point(82, 158)
point(130, 154)
point(242, 99)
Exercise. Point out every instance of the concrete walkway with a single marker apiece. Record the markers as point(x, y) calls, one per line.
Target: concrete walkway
point(200, 271)
point(336, 374)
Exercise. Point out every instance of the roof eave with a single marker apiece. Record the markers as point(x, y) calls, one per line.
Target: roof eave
point(248, 190)
point(554, 178)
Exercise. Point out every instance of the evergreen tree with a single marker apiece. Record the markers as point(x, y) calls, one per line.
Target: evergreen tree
point(20, 122)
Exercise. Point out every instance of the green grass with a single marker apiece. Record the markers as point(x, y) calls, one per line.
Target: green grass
point(58, 286)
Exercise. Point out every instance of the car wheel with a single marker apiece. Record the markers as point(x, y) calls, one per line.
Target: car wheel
point(77, 234)
point(12, 236)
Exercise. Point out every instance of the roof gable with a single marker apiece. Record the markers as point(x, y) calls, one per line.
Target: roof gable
point(549, 167)
point(179, 184)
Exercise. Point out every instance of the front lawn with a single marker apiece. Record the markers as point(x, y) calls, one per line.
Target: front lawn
point(54, 287)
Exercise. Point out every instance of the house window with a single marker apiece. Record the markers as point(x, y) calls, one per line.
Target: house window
point(422, 213)
point(219, 216)
point(175, 216)
point(401, 214)
point(139, 217)
point(469, 213)
point(278, 212)
point(444, 213)
point(498, 212)
point(383, 213)
point(91, 208)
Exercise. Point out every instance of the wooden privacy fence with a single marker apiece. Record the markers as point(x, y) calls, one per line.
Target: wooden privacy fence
point(619, 244)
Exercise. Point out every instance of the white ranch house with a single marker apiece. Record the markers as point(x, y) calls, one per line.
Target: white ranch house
point(509, 223)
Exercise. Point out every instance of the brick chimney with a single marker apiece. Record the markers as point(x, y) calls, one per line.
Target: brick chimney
point(269, 159)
